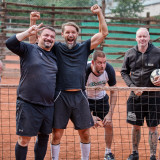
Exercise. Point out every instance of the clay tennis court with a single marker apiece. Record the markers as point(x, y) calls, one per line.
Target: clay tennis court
point(70, 147)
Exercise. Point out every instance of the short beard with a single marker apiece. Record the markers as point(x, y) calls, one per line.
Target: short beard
point(70, 46)
point(47, 46)
point(99, 73)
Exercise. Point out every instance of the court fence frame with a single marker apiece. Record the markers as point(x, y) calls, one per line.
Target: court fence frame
point(70, 147)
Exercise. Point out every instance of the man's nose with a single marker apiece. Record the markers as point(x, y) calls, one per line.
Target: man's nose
point(70, 34)
point(103, 65)
point(49, 38)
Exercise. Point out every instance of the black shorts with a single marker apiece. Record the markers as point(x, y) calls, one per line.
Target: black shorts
point(99, 107)
point(32, 119)
point(141, 107)
point(74, 106)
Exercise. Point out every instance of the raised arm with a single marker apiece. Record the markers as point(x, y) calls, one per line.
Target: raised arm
point(32, 31)
point(34, 16)
point(103, 29)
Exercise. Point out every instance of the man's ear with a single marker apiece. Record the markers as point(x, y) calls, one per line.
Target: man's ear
point(92, 65)
point(92, 62)
point(38, 36)
point(62, 34)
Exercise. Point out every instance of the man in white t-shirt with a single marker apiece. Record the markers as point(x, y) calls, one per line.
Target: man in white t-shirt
point(100, 73)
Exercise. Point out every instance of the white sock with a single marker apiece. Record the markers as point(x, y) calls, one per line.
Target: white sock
point(55, 151)
point(107, 151)
point(85, 150)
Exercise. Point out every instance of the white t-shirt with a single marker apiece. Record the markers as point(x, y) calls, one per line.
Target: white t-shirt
point(108, 76)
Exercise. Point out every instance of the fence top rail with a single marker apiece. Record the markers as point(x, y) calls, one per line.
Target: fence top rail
point(124, 88)
point(45, 7)
point(49, 12)
point(142, 19)
point(100, 88)
point(8, 86)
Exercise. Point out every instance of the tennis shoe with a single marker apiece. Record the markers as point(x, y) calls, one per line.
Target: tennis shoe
point(153, 157)
point(133, 156)
point(109, 156)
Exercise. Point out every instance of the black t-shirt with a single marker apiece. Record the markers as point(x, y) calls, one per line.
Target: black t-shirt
point(38, 72)
point(72, 65)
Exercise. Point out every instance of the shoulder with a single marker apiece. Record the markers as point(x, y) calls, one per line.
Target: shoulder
point(109, 68)
point(111, 74)
point(131, 53)
point(88, 68)
point(155, 47)
point(87, 42)
point(32, 45)
point(131, 50)
point(57, 44)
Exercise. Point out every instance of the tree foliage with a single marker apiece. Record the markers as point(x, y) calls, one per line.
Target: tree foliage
point(76, 3)
point(56, 3)
point(128, 8)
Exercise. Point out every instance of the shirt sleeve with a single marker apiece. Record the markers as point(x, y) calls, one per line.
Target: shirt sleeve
point(89, 46)
point(15, 46)
point(111, 75)
point(88, 71)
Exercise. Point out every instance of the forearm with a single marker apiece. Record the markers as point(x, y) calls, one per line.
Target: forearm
point(23, 35)
point(103, 28)
point(127, 79)
point(32, 22)
point(33, 38)
point(113, 101)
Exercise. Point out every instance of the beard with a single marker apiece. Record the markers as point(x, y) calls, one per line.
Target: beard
point(70, 46)
point(100, 71)
point(47, 45)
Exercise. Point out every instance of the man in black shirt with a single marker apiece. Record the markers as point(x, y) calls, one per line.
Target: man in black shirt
point(139, 62)
point(35, 93)
point(71, 100)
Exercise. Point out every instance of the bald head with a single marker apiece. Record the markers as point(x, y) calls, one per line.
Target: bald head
point(142, 38)
point(142, 30)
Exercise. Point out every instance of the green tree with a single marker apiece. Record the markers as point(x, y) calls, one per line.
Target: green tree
point(57, 3)
point(76, 3)
point(128, 8)
point(35, 2)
